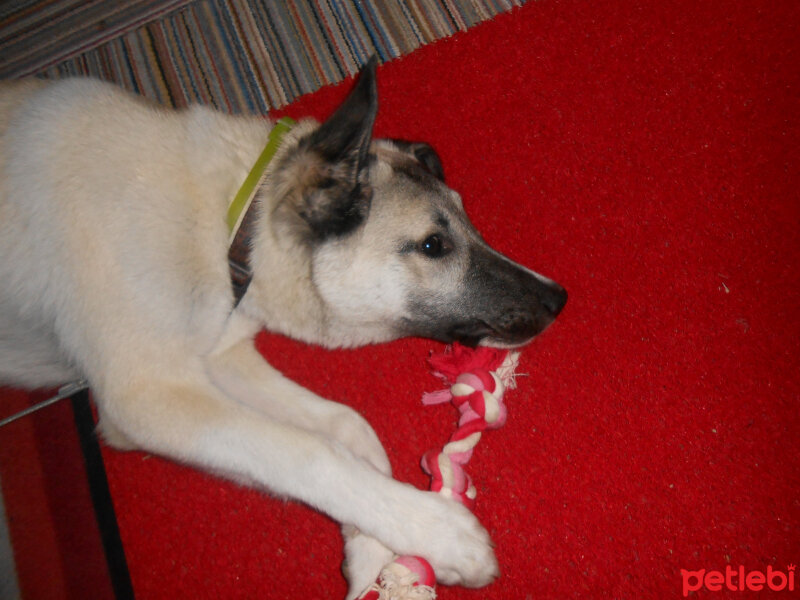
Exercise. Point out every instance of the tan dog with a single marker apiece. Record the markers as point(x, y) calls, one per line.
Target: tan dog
point(114, 268)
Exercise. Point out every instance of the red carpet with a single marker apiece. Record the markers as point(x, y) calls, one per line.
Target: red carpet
point(646, 157)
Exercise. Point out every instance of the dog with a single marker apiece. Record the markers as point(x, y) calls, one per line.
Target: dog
point(115, 263)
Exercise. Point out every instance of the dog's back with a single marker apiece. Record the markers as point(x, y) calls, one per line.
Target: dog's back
point(105, 197)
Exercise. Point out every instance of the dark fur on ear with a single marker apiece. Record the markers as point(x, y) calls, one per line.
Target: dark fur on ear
point(424, 154)
point(339, 199)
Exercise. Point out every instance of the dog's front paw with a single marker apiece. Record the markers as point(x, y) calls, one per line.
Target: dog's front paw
point(454, 542)
point(364, 559)
point(463, 554)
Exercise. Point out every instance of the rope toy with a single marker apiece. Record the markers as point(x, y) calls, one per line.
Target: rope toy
point(476, 379)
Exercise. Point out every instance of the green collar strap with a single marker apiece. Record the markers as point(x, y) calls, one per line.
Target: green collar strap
point(240, 217)
point(244, 197)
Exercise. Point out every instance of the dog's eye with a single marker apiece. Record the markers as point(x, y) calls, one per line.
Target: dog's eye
point(434, 246)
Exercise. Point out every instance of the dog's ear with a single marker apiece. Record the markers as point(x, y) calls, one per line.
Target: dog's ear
point(339, 199)
point(425, 155)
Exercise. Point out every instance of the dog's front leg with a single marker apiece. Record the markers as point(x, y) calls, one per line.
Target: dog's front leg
point(243, 374)
point(190, 420)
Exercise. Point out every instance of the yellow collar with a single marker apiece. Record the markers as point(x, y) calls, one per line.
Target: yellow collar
point(241, 219)
point(244, 197)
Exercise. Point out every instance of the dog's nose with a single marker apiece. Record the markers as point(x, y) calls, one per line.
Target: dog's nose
point(553, 298)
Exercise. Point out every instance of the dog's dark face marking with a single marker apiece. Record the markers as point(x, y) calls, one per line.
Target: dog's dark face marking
point(425, 161)
point(507, 304)
point(394, 254)
point(338, 200)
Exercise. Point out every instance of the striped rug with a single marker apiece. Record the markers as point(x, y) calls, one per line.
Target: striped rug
point(236, 55)
point(36, 34)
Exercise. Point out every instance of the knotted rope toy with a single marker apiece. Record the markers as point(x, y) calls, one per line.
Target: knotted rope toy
point(476, 379)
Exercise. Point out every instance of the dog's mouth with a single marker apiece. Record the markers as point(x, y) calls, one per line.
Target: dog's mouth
point(469, 333)
point(482, 333)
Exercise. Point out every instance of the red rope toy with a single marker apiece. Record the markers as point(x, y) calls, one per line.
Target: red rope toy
point(476, 379)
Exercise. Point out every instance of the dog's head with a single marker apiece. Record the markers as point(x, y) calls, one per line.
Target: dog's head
point(391, 250)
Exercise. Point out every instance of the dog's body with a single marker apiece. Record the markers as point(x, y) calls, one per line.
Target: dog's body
point(113, 268)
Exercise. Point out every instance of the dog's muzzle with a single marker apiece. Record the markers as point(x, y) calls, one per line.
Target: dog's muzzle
point(508, 305)
point(499, 303)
